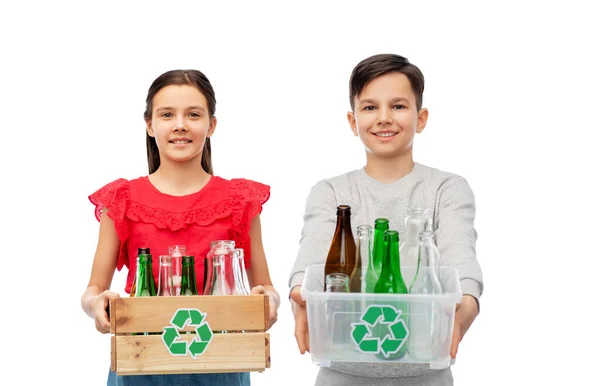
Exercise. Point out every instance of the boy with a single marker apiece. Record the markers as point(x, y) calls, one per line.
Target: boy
point(386, 93)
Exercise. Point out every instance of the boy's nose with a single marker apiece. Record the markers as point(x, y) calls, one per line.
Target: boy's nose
point(384, 116)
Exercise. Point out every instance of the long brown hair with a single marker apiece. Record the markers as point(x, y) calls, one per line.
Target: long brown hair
point(179, 77)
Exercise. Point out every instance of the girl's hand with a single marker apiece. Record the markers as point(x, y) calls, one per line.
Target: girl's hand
point(273, 302)
point(99, 307)
point(466, 311)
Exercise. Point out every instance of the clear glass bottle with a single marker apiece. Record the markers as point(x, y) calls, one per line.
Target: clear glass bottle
point(424, 341)
point(363, 276)
point(165, 276)
point(417, 220)
point(177, 252)
point(222, 282)
point(338, 324)
point(242, 278)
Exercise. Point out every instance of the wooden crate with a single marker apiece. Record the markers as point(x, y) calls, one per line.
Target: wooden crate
point(144, 339)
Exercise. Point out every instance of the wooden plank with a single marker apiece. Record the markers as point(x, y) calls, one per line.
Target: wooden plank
point(266, 314)
point(228, 352)
point(112, 315)
point(267, 350)
point(113, 353)
point(224, 313)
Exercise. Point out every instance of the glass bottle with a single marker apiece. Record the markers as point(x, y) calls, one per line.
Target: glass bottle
point(381, 226)
point(424, 341)
point(342, 251)
point(242, 274)
point(222, 256)
point(337, 310)
point(363, 276)
point(188, 276)
point(391, 282)
point(176, 252)
point(337, 282)
point(141, 251)
point(417, 220)
point(165, 276)
point(145, 280)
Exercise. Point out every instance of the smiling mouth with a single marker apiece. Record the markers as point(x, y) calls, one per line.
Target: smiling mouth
point(385, 134)
point(180, 141)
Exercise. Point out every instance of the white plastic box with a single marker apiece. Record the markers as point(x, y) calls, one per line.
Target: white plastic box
point(359, 327)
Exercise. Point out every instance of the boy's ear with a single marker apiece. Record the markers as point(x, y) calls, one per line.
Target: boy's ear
point(149, 129)
point(352, 122)
point(212, 127)
point(422, 119)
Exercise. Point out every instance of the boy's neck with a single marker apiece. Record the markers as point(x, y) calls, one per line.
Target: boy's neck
point(179, 179)
point(388, 170)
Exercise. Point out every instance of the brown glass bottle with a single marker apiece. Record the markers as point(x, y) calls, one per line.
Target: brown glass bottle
point(342, 252)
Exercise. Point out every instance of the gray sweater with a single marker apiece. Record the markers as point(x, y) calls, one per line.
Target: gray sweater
point(447, 195)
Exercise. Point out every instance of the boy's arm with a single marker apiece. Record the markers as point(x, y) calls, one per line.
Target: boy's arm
point(317, 231)
point(456, 235)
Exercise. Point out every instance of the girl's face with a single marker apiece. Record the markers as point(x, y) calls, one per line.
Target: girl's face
point(180, 123)
point(386, 117)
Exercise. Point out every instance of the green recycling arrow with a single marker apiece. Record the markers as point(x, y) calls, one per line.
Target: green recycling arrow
point(181, 318)
point(390, 327)
point(359, 333)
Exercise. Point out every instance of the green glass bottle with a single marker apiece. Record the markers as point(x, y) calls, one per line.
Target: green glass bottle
point(188, 276)
point(141, 251)
point(390, 281)
point(381, 225)
point(146, 286)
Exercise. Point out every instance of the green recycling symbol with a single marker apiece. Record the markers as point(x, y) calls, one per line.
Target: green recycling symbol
point(381, 330)
point(181, 318)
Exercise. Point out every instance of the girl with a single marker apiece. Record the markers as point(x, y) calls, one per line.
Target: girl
point(386, 94)
point(179, 202)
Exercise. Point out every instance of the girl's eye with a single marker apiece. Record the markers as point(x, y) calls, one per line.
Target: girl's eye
point(166, 115)
point(194, 115)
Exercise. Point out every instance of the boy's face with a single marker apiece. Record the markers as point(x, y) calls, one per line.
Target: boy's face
point(385, 116)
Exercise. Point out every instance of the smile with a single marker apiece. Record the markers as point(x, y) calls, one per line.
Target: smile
point(386, 134)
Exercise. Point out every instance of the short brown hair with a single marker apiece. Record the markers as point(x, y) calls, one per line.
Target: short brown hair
point(381, 64)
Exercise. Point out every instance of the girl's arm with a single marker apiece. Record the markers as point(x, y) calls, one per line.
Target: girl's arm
point(258, 273)
point(95, 298)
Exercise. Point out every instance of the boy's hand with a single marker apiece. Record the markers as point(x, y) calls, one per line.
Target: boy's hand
point(299, 310)
point(466, 311)
point(273, 304)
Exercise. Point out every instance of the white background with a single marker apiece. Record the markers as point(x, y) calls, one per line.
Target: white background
point(513, 97)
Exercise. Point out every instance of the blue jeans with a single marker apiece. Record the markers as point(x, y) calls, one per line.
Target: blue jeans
point(217, 379)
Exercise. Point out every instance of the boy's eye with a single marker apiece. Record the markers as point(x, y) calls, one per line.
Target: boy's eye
point(369, 108)
point(194, 115)
point(399, 107)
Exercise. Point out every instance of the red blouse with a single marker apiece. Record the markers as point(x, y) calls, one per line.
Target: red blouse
point(146, 218)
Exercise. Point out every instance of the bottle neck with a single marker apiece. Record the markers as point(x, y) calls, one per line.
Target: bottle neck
point(426, 249)
point(364, 246)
